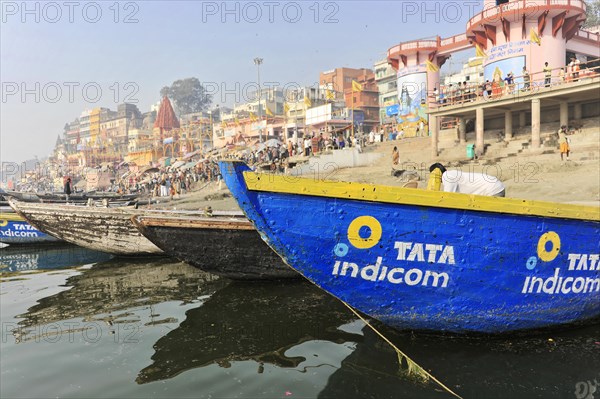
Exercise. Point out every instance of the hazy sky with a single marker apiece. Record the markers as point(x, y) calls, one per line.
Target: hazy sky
point(60, 58)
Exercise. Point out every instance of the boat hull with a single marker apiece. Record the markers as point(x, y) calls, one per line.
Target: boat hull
point(431, 268)
point(224, 246)
point(14, 229)
point(108, 230)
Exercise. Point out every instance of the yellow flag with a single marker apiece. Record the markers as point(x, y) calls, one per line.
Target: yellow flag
point(237, 121)
point(307, 102)
point(356, 86)
point(329, 95)
point(479, 51)
point(286, 108)
point(223, 124)
point(268, 111)
point(252, 117)
point(431, 67)
point(533, 36)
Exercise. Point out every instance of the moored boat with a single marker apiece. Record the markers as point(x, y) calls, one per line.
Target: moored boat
point(113, 199)
point(109, 230)
point(228, 246)
point(429, 260)
point(101, 229)
point(14, 229)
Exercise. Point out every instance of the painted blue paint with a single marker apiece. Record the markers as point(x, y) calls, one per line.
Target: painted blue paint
point(491, 285)
point(392, 110)
point(21, 232)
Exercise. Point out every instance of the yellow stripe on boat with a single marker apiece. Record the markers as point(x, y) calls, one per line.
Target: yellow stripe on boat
point(10, 217)
point(409, 196)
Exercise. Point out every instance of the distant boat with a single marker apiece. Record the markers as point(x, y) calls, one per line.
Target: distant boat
point(228, 246)
point(429, 260)
point(111, 198)
point(14, 229)
point(108, 230)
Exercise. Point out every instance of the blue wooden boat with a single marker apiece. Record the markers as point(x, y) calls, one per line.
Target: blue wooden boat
point(429, 260)
point(14, 229)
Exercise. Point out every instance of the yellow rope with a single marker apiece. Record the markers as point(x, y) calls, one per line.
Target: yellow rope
point(400, 353)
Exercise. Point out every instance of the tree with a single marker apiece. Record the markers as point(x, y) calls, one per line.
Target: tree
point(188, 95)
point(592, 13)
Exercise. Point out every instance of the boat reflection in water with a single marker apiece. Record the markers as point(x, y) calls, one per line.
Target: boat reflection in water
point(267, 323)
point(262, 338)
point(256, 321)
point(551, 364)
point(21, 258)
point(109, 291)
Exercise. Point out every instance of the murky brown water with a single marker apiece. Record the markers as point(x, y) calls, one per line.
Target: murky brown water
point(75, 324)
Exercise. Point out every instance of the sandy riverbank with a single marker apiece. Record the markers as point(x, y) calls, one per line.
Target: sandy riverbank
point(529, 176)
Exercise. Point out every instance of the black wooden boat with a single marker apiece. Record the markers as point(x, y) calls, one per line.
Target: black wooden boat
point(227, 246)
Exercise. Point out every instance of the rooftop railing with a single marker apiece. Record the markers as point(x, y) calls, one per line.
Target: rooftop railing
point(530, 83)
point(498, 12)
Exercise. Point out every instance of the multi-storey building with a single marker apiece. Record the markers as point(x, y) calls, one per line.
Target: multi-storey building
point(272, 98)
point(365, 100)
point(387, 83)
point(84, 129)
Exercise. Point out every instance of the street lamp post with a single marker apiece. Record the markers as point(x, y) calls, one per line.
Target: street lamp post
point(258, 62)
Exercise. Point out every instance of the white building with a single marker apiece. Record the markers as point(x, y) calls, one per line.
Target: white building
point(472, 72)
point(271, 98)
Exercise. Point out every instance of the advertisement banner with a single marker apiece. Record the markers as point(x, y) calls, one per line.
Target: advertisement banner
point(504, 59)
point(392, 110)
point(412, 96)
point(495, 72)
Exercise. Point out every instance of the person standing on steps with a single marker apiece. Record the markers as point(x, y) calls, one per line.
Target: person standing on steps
point(564, 143)
point(395, 156)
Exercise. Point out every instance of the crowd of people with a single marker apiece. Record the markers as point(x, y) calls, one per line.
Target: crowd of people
point(499, 86)
point(168, 181)
point(275, 156)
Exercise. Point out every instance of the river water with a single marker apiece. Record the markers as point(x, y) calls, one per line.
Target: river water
point(78, 324)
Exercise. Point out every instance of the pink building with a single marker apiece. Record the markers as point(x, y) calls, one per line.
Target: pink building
point(507, 31)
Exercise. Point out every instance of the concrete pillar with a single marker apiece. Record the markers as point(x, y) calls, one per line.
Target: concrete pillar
point(508, 133)
point(535, 123)
point(577, 112)
point(434, 128)
point(479, 131)
point(564, 113)
point(433, 81)
point(522, 120)
point(462, 130)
